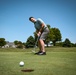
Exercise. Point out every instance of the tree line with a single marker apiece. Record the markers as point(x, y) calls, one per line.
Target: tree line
point(54, 36)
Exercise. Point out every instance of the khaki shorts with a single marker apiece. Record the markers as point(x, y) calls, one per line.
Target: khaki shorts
point(44, 34)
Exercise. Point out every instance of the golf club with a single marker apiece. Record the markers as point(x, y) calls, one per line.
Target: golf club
point(34, 50)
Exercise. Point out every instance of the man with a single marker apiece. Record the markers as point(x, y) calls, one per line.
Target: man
point(42, 32)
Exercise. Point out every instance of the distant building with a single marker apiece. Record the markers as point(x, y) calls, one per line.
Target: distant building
point(49, 44)
point(10, 44)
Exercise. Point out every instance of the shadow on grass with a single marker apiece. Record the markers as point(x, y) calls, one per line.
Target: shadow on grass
point(27, 70)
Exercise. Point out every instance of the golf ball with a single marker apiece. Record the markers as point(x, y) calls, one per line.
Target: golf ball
point(21, 63)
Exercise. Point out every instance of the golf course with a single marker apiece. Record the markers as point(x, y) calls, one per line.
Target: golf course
point(57, 61)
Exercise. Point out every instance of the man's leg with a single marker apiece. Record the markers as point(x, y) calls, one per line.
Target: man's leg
point(41, 43)
point(40, 49)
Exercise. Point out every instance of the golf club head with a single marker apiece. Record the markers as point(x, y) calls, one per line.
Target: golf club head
point(33, 51)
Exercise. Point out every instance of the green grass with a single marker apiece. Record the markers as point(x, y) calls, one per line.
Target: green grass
point(58, 61)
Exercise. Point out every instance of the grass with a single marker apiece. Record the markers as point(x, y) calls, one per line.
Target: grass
point(58, 61)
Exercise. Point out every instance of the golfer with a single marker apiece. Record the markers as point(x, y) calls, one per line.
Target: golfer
point(42, 32)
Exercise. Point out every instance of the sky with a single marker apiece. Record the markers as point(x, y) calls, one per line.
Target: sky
point(15, 24)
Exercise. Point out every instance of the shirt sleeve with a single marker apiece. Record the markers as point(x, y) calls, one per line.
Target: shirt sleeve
point(41, 21)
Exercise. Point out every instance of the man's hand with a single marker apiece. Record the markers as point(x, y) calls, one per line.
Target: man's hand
point(39, 33)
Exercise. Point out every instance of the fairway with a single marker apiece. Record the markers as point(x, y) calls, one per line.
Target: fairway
point(58, 61)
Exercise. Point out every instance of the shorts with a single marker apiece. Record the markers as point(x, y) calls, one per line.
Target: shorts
point(44, 34)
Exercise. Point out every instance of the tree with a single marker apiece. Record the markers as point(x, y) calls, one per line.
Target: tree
point(67, 43)
point(30, 42)
point(16, 42)
point(19, 44)
point(75, 45)
point(2, 42)
point(55, 35)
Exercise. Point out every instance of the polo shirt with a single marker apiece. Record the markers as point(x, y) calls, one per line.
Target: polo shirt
point(38, 23)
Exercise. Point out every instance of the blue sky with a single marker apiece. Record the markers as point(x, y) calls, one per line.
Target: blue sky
point(15, 24)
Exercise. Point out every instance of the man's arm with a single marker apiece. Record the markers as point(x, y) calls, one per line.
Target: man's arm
point(41, 29)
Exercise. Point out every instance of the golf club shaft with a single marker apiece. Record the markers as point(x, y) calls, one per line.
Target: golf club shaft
point(34, 50)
